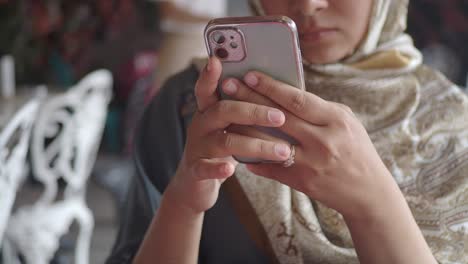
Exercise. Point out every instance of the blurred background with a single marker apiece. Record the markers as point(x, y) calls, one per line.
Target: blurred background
point(57, 43)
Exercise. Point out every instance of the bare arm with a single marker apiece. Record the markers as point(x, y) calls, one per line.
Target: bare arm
point(173, 236)
point(390, 235)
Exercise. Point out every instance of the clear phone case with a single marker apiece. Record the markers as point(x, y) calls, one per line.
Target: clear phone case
point(268, 44)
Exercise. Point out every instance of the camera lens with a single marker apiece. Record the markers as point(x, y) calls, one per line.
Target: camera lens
point(234, 45)
point(222, 53)
point(218, 37)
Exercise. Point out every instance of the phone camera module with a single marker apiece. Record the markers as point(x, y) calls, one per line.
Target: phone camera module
point(226, 43)
point(222, 53)
point(218, 37)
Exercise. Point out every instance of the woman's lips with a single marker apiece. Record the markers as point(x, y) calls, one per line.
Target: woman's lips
point(317, 34)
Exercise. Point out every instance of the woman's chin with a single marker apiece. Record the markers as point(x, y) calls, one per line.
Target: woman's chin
point(326, 50)
point(323, 56)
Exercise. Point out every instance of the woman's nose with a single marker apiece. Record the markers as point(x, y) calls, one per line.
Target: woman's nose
point(309, 7)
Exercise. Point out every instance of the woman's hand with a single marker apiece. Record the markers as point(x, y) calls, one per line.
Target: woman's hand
point(335, 160)
point(207, 160)
point(337, 164)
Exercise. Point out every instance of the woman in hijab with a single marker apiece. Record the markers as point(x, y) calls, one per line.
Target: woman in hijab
point(378, 174)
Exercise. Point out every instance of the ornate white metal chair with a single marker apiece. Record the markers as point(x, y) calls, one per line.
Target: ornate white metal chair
point(65, 142)
point(14, 142)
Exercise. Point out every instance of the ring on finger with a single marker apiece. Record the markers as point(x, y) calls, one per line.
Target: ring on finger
point(290, 161)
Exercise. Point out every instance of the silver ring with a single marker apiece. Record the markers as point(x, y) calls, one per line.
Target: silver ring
point(290, 161)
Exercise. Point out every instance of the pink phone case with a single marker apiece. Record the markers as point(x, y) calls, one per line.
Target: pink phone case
point(268, 44)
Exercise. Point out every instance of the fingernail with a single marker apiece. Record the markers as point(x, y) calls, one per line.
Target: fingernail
point(230, 87)
point(276, 116)
point(282, 150)
point(251, 79)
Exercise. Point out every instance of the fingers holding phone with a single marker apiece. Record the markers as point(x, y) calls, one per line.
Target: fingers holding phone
point(209, 135)
point(267, 44)
point(210, 145)
point(205, 88)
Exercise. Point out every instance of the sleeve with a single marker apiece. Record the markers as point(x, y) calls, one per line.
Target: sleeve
point(159, 145)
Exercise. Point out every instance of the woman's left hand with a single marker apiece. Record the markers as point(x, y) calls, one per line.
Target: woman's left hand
point(335, 160)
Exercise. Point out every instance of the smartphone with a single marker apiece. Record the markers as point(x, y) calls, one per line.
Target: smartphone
point(268, 44)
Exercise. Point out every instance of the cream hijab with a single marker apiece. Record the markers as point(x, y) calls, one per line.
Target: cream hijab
point(417, 120)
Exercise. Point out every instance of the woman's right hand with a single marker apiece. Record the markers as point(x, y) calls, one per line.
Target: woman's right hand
point(207, 160)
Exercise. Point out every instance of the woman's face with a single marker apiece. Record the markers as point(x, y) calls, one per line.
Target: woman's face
point(328, 30)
